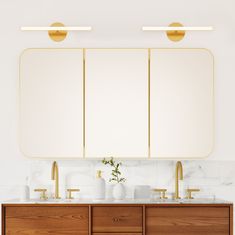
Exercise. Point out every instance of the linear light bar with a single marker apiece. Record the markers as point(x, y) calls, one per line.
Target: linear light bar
point(54, 28)
point(171, 28)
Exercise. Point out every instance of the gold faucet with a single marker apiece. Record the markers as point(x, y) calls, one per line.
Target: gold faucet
point(178, 176)
point(55, 176)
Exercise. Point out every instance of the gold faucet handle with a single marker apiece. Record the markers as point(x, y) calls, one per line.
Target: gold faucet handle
point(42, 191)
point(70, 191)
point(190, 191)
point(162, 192)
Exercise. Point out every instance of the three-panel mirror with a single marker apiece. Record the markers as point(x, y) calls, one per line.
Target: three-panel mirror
point(126, 103)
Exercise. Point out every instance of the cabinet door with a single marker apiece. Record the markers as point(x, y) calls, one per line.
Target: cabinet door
point(116, 103)
point(181, 103)
point(46, 220)
point(51, 103)
point(187, 220)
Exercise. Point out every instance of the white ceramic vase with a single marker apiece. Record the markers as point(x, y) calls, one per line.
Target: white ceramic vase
point(109, 191)
point(119, 191)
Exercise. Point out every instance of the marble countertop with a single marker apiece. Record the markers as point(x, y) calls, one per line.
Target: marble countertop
point(125, 201)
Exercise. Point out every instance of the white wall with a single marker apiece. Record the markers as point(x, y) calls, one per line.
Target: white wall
point(116, 23)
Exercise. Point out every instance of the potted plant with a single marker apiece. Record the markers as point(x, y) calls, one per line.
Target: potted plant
point(119, 191)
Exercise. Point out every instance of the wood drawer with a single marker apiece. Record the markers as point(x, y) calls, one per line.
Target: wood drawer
point(188, 220)
point(117, 234)
point(121, 219)
point(44, 220)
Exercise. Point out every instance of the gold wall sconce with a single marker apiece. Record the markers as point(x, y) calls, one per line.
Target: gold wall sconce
point(176, 31)
point(57, 31)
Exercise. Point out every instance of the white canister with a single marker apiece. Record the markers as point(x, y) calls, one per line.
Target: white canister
point(24, 193)
point(142, 192)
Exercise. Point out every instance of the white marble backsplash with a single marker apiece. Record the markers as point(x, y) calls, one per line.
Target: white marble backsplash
point(215, 179)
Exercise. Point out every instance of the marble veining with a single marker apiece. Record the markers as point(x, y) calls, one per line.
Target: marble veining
point(216, 179)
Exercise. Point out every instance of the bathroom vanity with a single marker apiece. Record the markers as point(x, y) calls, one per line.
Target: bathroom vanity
point(123, 218)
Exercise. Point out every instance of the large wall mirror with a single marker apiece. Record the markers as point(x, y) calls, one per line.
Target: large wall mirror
point(126, 103)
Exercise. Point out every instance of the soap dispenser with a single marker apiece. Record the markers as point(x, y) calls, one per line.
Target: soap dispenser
point(99, 186)
point(25, 191)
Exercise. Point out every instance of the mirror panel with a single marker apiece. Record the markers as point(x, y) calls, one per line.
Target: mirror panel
point(181, 103)
point(116, 103)
point(51, 103)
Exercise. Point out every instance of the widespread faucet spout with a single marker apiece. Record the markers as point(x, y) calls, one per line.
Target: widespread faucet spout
point(178, 176)
point(55, 177)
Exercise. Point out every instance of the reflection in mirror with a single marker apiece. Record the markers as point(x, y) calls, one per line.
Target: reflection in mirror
point(117, 103)
point(181, 110)
point(51, 103)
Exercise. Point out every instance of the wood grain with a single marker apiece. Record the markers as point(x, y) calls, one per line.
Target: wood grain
point(187, 220)
point(117, 219)
point(116, 233)
point(46, 220)
point(231, 219)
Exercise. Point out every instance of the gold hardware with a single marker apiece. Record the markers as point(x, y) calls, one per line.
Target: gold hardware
point(70, 192)
point(118, 219)
point(190, 191)
point(178, 171)
point(99, 174)
point(84, 101)
point(175, 35)
point(149, 104)
point(162, 192)
point(42, 191)
point(57, 35)
point(55, 176)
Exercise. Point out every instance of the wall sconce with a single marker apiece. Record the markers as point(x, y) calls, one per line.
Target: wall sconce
point(57, 31)
point(176, 31)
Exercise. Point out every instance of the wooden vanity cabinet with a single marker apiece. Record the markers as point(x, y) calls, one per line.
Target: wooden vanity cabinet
point(117, 219)
point(45, 219)
point(188, 220)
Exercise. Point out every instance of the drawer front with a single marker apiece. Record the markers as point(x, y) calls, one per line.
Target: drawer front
point(117, 219)
point(187, 220)
point(117, 234)
point(42, 220)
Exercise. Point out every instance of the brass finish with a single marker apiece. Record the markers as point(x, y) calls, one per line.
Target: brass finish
point(149, 104)
point(57, 35)
point(70, 191)
point(84, 101)
point(175, 35)
point(178, 176)
point(99, 174)
point(43, 191)
point(55, 176)
point(162, 192)
point(190, 191)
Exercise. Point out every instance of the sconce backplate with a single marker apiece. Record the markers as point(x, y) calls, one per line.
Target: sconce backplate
point(175, 35)
point(57, 35)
